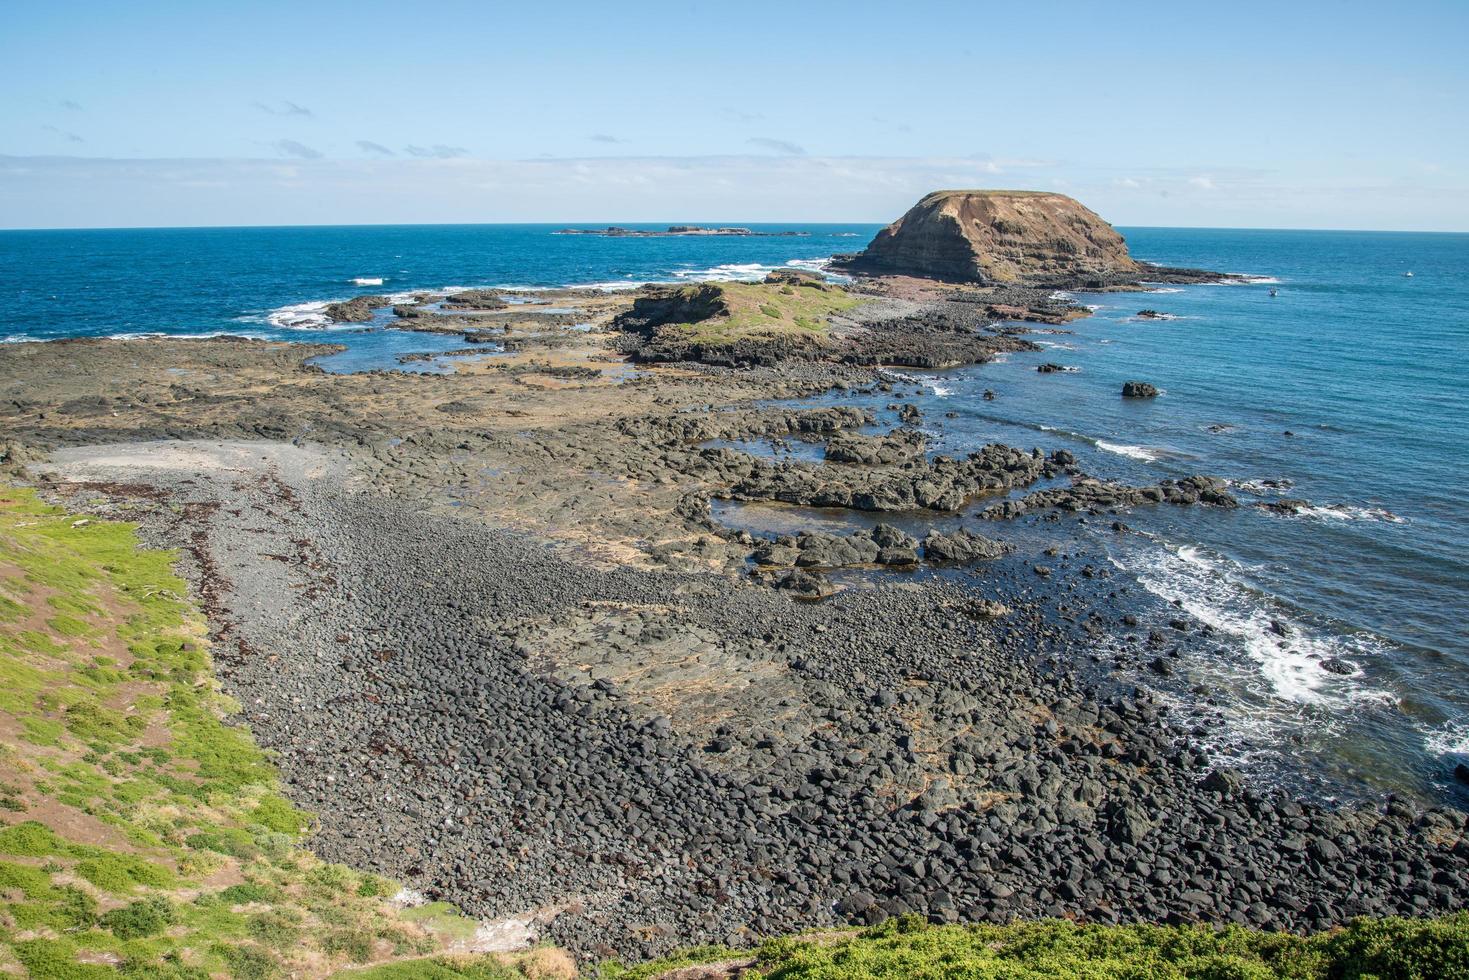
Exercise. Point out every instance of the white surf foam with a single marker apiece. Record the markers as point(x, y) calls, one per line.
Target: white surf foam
point(157, 335)
point(1451, 740)
point(367, 281)
point(1288, 657)
point(300, 316)
point(1347, 512)
point(938, 388)
point(1165, 289)
point(729, 272)
point(1245, 279)
point(1136, 452)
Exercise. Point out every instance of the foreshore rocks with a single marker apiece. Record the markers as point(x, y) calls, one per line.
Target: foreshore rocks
point(882, 545)
point(898, 447)
point(689, 323)
point(359, 309)
point(661, 758)
point(512, 731)
point(962, 545)
point(942, 484)
point(476, 299)
point(1099, 496)
point(939, 336)
point(1139, 389)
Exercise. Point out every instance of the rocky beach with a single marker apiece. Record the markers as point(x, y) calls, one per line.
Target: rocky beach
point(508, 654)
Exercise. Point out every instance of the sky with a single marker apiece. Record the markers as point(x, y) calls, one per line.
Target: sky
point(1281, 115)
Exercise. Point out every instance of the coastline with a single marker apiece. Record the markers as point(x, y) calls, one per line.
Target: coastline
point(651, 663)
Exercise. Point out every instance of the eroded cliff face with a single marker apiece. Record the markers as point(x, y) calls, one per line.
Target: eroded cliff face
point(1012, 237)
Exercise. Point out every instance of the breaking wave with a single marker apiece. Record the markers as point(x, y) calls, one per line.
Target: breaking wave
point(1136, 452)
point(1299, 662)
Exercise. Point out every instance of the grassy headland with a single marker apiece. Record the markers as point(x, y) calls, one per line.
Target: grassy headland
point(141, 833)
point(738, 320)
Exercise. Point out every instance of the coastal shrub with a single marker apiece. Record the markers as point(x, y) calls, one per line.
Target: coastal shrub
point(1408, 948)
point(250, 962)
point(140, 919)
point(275, 929)
point(354, 944)
point(56, 959)
point(247, 892)
point(31, 882)
point(909, 948)
point(31, 839)
point(120, 873)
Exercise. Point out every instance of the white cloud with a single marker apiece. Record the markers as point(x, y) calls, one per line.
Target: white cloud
point(62, 191)
point(1203, 183)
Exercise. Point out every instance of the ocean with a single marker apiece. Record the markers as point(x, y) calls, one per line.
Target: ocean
point(1343, 390)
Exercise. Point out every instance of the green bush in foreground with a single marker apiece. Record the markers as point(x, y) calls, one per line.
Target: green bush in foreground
point(1368, 949)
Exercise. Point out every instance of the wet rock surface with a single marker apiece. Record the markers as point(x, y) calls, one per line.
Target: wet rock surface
point(1103, 496)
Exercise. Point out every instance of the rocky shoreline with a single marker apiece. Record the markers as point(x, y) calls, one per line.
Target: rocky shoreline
point(508, 656)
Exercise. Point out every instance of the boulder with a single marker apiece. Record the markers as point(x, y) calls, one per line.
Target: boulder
point(1138, 389)
point(962, 545)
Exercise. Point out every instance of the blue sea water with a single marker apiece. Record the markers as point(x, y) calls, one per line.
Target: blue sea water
point(1347, 384)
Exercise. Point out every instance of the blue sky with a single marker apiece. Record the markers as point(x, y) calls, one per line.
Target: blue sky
point(1258, 115)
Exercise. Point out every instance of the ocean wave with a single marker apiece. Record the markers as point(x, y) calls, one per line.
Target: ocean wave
point(938, 388)
point(300, 316)
point(729, 272)
point(367, 281)
point(160, 335)
point(312, 316)
point(1348, 512)
point(613, 286)
point(1300, 663)
point(1165, 289)
point(1245, 279)
point(1136, 452)
point(1055, 345)
point(1263, 488)
point(1450, 740)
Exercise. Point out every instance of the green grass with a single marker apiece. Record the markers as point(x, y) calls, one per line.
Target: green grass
point(763, 311)
point(148, 786)
point(909, 949)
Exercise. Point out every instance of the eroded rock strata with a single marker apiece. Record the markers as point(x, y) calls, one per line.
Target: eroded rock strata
point(1008, 237)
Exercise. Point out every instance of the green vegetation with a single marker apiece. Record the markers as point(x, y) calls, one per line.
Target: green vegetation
point(757, 311)
point(910, 949)
point(141, 833)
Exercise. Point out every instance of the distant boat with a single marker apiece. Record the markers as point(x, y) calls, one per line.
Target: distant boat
point(1407, 275)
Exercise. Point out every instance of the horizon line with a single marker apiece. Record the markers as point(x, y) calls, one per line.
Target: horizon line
point(629, 223)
